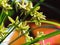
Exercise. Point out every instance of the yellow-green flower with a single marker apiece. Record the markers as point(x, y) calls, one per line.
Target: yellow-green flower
point(4, 4)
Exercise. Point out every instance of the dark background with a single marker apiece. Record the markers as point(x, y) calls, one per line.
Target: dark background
point(51, 9)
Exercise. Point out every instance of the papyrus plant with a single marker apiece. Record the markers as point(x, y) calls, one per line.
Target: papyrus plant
point(21, 23)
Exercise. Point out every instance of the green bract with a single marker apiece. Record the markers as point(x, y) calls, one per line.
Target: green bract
point(3, 31)
point(22, 25)
point(4, 4)
point(27, 9)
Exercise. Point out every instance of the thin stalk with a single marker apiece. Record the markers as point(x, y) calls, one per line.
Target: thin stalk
point(46, 36)
point(10, 29)
point(19, 36)
point(50, 22)
point(24, 34)
point(4, 18)
point(12, 2)
point(1, 16)
point(43, 37)
point(44, 21)
point(33, 9)
point(53, 24)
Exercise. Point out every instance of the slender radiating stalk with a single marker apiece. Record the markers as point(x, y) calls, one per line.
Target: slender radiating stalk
point(43, 37)
point(50, 22)
point(1, 16)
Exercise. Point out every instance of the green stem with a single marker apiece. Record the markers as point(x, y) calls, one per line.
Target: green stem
point(50, 22)
point(33, 9)
point(46, 21)
point(43, 37)
point(46, 36)
point(43, 21)
point(1, 16)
